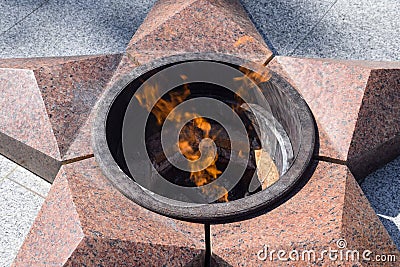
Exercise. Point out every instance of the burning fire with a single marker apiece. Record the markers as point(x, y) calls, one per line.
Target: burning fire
point(191, 135)
point(256, 77)
point(246, 81)
point(189, 140)
point(163, 107)
point(198, 129)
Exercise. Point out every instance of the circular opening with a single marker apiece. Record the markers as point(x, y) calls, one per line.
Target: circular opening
point(265, 160)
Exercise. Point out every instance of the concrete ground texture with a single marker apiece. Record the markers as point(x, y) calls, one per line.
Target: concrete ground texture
point(338, 29)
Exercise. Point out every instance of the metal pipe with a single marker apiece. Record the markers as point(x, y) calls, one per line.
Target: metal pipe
point(208, 252)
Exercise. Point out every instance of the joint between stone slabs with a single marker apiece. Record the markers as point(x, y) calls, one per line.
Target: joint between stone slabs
point(73, 160)
point(330, 160)
point(23, 18)
point(269, 60)
point(23, 186)
point(9, 173)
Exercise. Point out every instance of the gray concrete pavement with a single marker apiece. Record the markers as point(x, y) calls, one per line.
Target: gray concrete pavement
point(73, 28)
point(346, 29)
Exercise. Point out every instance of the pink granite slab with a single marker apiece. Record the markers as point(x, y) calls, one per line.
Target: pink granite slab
point(26, 134)
point(176, 27)
point(22, 111)
point(81, 145)
point(88, 222)
point(355, 105)
point(376, 138)
point(37, 62)
point(45, 108)
point(329, 207)
point(70, 91)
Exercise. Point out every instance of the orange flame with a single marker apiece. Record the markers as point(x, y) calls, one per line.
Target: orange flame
point(199, 128)
point(162, 107)
point(191, 134)
point(246, 81)
point(256, 77)
point(191, 138)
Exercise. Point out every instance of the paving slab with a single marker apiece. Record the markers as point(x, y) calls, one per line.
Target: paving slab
point(18, 209)
point(382, 190)
point(284, 24)
point(13, 12)
point(75, 28)
point(6, 166)
point(30, 181)
point(365, 29)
